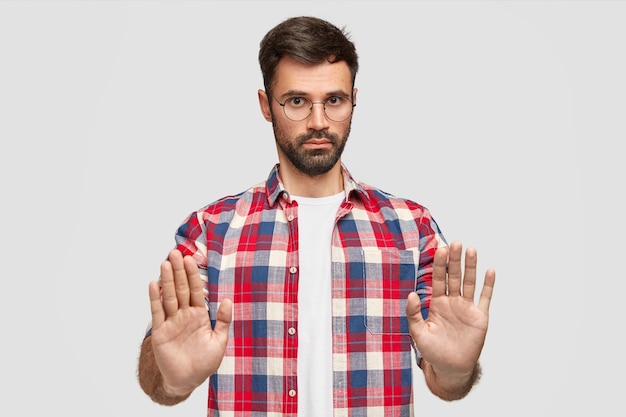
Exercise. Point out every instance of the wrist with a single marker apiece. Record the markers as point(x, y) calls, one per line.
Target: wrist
point(168, 395)
point(451, 386)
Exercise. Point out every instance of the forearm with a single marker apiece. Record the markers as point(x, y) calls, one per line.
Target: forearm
point(450, 388)
point(150, 378)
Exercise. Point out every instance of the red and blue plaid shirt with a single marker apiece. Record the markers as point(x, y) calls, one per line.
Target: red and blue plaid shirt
point(247, 249)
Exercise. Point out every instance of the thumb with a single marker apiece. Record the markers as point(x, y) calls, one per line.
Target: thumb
point(224, 317)
point(414, 310)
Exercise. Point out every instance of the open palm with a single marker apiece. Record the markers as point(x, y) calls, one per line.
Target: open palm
point(187, 350)
point(452, 337)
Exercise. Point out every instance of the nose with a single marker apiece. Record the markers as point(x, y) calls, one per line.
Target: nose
point(318, 120)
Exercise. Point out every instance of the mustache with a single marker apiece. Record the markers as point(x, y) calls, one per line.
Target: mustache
point(318, 134)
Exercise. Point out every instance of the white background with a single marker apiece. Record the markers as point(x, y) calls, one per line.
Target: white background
point(504, 118)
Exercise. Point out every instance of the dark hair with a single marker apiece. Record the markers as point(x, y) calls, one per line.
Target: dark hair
point(309, 40)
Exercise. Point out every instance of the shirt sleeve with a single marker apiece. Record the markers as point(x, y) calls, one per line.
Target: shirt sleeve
point(191, 239)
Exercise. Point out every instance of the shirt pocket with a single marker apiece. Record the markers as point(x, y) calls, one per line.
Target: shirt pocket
point(389, 275)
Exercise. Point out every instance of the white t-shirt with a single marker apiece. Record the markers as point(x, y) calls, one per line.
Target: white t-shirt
point(316, 220)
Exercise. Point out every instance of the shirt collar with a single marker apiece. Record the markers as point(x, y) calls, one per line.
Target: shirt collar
point(276, 190)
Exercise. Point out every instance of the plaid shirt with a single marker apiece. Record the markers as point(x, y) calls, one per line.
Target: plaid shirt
point(247, 249)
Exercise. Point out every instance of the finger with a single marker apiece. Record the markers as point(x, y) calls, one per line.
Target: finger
point(168, 292)
point(454, 268)
point(181, 281)
point(440, 271)
point(414, 310)
point(469, 276)
point(487, 291)
point(224, 317)
point(156, 306)
point(196, 295)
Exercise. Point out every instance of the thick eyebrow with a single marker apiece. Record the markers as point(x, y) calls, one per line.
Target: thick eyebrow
point(292, 93)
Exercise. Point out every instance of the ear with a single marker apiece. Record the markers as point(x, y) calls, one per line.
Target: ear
point(264, 103)
point(354, 91)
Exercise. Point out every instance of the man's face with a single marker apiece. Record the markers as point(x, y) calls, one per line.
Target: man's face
point(314, 145)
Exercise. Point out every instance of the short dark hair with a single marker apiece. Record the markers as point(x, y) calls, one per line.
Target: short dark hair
point(309, 40)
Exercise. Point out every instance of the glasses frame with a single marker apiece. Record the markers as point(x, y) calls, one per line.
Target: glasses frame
point(352, 106)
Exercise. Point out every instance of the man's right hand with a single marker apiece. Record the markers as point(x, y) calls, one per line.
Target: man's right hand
point(185, 347)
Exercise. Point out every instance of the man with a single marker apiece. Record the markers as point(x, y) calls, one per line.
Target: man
point(320, 290)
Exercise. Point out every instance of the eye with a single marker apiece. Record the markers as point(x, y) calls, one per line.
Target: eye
point(335, 101)
point(297, 102)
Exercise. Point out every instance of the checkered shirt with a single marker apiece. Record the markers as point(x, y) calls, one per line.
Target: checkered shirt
point(246, 246)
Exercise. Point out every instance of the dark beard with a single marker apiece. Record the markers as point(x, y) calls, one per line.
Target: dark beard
point(316, 161)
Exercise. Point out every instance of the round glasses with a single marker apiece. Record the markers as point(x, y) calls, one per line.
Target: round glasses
point(299, 108)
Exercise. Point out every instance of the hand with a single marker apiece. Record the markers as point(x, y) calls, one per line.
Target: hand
point(452, 337)
point(186, 349)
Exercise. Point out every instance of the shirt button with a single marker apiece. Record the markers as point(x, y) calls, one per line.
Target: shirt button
point(290, 218)
point(291, 331)
point(293, 269)
point(292, 393)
